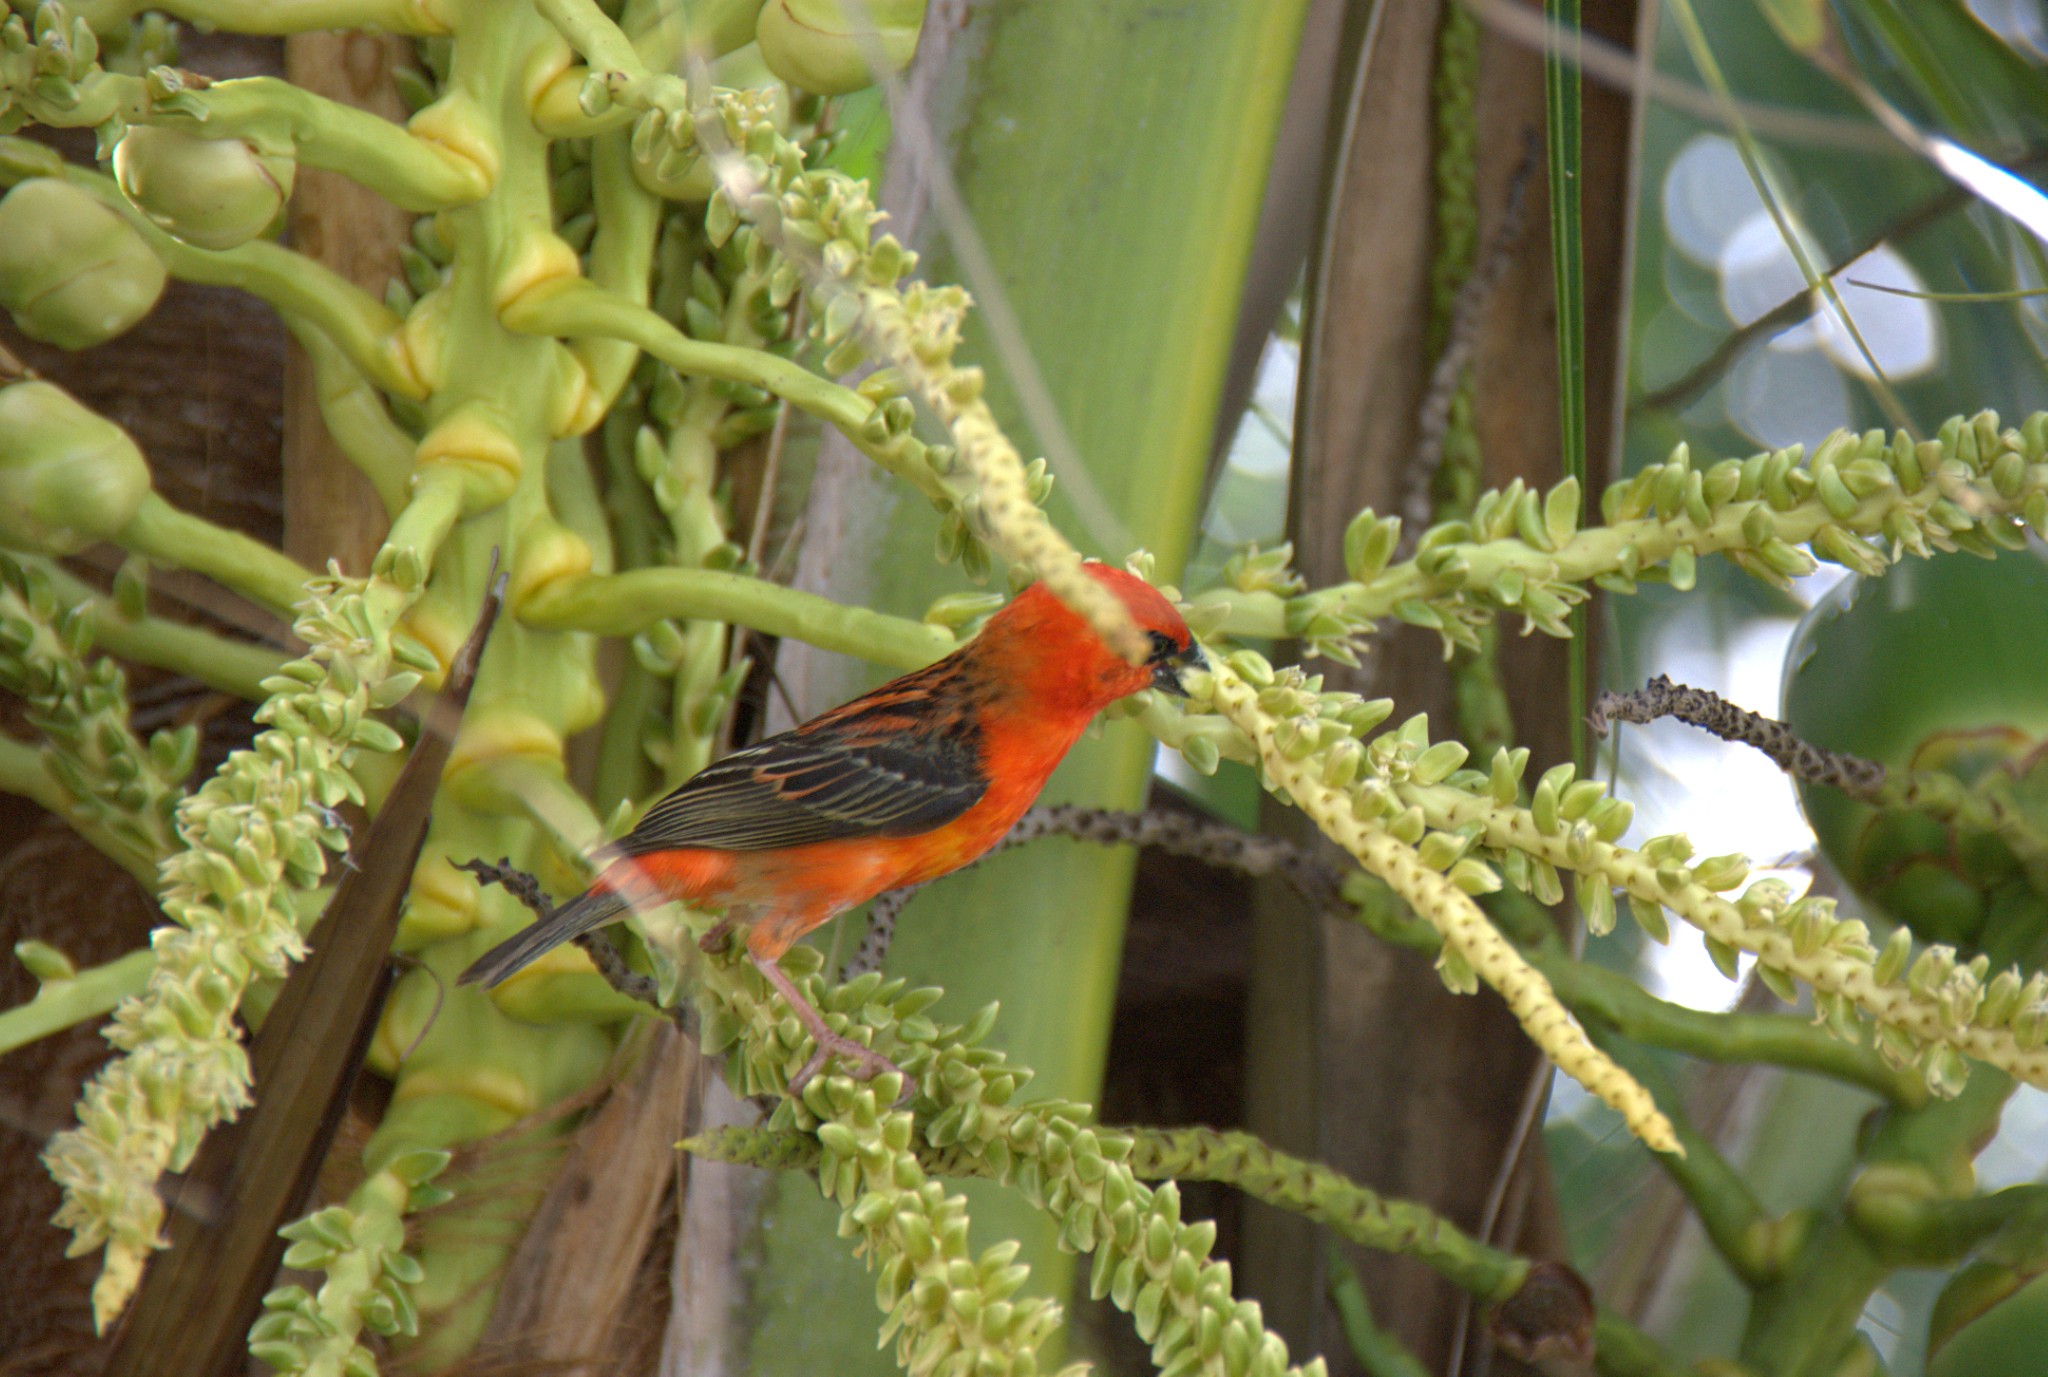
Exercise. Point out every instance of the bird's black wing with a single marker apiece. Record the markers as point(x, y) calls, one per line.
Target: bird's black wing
point(902, 760)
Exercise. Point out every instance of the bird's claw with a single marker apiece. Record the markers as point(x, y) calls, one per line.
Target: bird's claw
point(866, 1064)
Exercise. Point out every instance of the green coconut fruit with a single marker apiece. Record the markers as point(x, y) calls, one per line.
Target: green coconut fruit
point(1940, 665)
point(73, 273)
point(2008, 1338)
point(68, 476)
point(835, 48)
point(215, 193)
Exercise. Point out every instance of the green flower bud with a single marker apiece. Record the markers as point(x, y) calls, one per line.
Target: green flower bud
point(68, 477)
point(215, 193)
point(834, 48)
point(73, 273)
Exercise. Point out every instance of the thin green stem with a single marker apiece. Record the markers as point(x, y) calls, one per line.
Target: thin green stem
point(356, 418)
point(163, 533)
point(621, 604)
point(1922, 1231)
point(299, 288)
point(61, 1004)
point(421, 527)
point(1561, 108)
point(1734, 1220)
point(575, 309)
point(1379, 1352)
point(236, 667)
point(1622, 1350)
point(417, 17)
point(412, 173)
point(1328, 1197)
point(1789, 1040)
point(621, 253)
point(1702, 54)
point(23, 773)
point(591, 32)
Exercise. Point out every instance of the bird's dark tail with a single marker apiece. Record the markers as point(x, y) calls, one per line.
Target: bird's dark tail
point(591, 909)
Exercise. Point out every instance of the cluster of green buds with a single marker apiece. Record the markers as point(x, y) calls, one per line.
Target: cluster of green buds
point(43, 60)
point(1932, 1010)
point(1451, 832)
point(255, 842)
point(1861, 501)
point(370, 1276)
point(949, 1309)
point(120, 789)
point(1311, 747)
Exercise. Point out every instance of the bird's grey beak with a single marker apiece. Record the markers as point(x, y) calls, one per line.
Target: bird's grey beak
point(1166, 673)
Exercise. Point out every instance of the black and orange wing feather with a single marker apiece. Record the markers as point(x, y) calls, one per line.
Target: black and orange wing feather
point(902, 760)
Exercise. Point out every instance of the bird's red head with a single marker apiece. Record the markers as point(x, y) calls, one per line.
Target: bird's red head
point(1062, 663)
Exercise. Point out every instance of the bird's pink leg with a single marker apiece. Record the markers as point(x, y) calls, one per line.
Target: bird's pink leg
point(867, 1063)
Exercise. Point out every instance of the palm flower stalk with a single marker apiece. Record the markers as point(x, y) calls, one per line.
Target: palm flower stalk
point(1299, 754)
point(121, 790)
point(1857, 501)
point(255, 839)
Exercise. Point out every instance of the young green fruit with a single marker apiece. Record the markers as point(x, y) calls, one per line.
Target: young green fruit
point(68, 476)
point(834, 48)
point(215, 193)
point(73, 273)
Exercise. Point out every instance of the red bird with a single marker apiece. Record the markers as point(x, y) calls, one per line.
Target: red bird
point(899, 786)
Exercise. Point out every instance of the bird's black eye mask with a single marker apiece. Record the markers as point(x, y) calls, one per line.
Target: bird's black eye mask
point(1168, 659)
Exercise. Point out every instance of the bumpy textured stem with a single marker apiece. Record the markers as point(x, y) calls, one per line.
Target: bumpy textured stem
point(1326, 1196)
point(1701, 708)
point(361, 1248)
point(256, 839)
point(1464, 927)
point(1975, 487)
point(1933, 791)
point(943, 1300)
point(1945, 1008)
point(121, 789)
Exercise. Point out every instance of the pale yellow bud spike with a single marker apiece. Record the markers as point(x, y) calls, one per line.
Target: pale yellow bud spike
point(1452, 912)
point(1018, 527)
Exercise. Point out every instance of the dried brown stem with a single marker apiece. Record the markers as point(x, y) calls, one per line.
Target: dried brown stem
point(612, 966)
point(1853, 775)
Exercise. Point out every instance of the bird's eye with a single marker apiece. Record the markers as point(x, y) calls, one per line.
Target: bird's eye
point(1163, 647)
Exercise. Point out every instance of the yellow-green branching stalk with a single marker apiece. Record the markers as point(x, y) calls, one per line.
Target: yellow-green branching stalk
point(943, 1301)
point(370, 1276)
point(123, 793)
point(1238, 1160)
point(1931, 1010)
point(494, 404)
point(1309, 751)
point(848, 284)
point(255, 840)
point(1858, 501)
